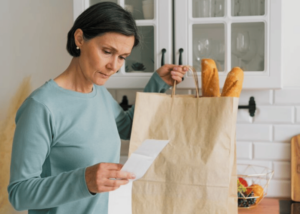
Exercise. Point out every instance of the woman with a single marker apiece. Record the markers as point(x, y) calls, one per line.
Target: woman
point(67, 140)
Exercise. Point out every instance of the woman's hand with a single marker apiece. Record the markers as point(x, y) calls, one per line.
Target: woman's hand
point(169, 73)
point(98, 177)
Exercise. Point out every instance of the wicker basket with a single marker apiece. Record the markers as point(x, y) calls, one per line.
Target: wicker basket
point(253, 175)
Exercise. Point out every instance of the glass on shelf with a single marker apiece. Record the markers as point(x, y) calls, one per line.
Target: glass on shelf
point(141, 58)
point(208, 8)
point(98, 1)
point(209, 42)
point(248, 7)
point(140, 9)
point(248, 46)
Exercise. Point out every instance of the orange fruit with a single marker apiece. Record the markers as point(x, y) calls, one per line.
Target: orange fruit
point(257, 190)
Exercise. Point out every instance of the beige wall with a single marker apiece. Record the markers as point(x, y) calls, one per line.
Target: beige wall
point(33, 35)
point(32, 41)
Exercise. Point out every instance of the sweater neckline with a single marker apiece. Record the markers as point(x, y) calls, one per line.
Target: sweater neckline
point(73, 93)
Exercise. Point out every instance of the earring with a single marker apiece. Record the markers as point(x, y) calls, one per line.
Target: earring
point(77, 48)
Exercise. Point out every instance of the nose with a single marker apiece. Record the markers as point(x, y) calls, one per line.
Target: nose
point(113, 64)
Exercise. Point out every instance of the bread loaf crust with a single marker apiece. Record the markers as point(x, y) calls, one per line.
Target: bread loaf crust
point(210, 78)
point(233, 84)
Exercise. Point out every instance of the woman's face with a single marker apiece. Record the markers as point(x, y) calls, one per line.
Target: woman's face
point(103, 55)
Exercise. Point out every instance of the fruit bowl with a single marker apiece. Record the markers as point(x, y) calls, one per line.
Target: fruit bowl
point(253, 182)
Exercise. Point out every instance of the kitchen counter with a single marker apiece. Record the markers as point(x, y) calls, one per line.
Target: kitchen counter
point(267, 206)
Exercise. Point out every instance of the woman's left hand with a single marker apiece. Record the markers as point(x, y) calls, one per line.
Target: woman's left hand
point(169, 73)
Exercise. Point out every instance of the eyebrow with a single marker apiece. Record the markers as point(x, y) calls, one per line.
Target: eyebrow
point(115, 50)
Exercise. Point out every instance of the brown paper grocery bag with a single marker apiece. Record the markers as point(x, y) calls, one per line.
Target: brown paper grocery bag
point(196, 171)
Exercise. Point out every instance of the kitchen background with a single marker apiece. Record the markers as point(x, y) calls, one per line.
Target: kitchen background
point(33, 40)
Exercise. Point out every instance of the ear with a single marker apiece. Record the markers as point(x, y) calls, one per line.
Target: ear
point(78, 36)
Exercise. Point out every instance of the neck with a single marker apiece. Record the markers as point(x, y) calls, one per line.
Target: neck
point(73, 78)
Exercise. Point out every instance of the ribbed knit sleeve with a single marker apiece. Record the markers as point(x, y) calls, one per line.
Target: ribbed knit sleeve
point(31, 146)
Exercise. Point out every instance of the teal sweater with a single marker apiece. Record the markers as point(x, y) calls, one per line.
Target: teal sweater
point(58, 134)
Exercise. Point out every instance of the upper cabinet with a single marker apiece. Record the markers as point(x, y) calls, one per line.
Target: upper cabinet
point(243, 33)
point(235, 33)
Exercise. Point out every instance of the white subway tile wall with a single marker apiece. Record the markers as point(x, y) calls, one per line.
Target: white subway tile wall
point(262, 97)
point(279, 188)
point(264, 141)
point(274, 114)
point(272, 151)
point(297, 116)
point(282, 170)
point(287, 97)
point(253, 132)
point(244, 150)
point(285, 132)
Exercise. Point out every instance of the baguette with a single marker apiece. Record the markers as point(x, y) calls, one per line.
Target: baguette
point(210, 78)
point(233, 84)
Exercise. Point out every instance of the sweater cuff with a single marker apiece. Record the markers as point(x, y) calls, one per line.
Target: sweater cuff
point(83, 186)
point(156, 84)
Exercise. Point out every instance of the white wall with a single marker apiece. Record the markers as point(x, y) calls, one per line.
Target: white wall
point(33, 37)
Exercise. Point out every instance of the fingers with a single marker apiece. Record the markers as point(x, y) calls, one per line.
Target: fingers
point(177, 68)
point(180, 69)
point(108, 189)
point(115, 183)
point(120, 175)
point(178, 76)
point(104, 177)
point(178, 72)
point(110, 166)
point(113, 171)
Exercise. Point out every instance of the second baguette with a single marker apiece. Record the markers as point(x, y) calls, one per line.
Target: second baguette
point(233, 83)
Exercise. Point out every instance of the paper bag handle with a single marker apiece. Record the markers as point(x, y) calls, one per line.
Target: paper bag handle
point(195, 76)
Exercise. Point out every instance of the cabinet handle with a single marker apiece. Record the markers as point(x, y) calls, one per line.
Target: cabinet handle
point(163, 51)
point(180, 56)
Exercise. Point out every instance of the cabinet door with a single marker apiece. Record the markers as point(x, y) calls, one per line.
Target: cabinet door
point(154, 21)
point(235, 33)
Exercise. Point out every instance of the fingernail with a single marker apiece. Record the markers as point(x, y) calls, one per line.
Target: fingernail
point(133, 176)
point(175, 68)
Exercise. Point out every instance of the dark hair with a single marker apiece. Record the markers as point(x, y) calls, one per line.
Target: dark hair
point(99, 19)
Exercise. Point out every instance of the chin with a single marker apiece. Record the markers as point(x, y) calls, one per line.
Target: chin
point(100, 81)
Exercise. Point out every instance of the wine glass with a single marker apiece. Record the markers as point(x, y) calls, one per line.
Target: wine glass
point(205, 8)
point(235, 7)
point(219, 50)
point(219, 8)
point(250, 54)
point(218, 53)
point(240, 44)
point(202, 48)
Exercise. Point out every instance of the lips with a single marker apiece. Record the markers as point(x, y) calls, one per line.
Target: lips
point(105, 76)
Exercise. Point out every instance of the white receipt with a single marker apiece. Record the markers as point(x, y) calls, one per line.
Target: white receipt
point(140, 160)
point(138, 164)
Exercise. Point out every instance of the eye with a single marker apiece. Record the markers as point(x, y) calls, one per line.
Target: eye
point(107, 52)
point(122, 58)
